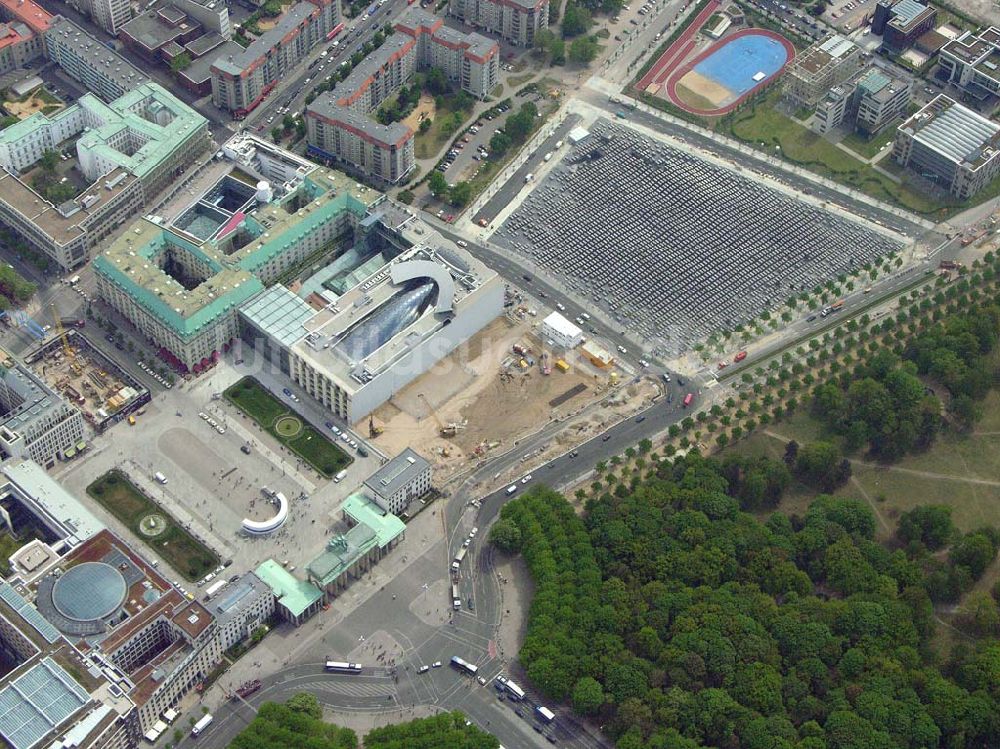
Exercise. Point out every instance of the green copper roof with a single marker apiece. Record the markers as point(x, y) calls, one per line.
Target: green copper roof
point(294, 594)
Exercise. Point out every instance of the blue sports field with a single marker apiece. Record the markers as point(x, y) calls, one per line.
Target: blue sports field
point(735, 63)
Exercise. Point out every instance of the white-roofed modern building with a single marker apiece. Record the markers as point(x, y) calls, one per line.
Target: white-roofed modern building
point(561, 332)
point(951, 145)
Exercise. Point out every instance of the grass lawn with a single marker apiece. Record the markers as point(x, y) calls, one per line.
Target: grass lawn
point(312, 446)
point(516, 81)
point(869, 148)
point(946, 474)
point(765, 124)
point(178, 548)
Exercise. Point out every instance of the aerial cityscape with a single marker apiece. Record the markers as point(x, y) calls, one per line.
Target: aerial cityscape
point(497, 374)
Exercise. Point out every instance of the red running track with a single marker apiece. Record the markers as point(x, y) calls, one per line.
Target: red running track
point(678, 50)
point(677, 73)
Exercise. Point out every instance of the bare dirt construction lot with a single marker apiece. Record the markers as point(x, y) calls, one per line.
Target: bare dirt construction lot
point(482, 393)
point(986, 11)
point(425, 109)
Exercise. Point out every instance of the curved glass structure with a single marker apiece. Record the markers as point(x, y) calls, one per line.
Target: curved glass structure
point(88, 591)
point(402, 310)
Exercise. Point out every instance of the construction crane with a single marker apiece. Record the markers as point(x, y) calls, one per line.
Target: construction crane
point(61, 332)
point(445, 430)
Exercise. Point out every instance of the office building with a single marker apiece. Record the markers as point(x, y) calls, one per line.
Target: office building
point(52, 694)
point(371, 532)
point(240, 608)
point(101, 70)
point(178, 28)
point(181, 282)
point(383, 313)
point(557, 331)
point(867, 103)
point(295, 600)
point(901, 22)
point(109, 15)
point(337, 123)
point(31, 499)
point(35, 422)
point(516, 21)
point(397, 483)
point(972, 62)
point(131, 621)
point(242, 78)
point(951, 145)
point(127, 151)
point(821, 67)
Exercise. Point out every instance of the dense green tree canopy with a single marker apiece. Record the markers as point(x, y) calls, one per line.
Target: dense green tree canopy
point(679, 621)
point(298, 724)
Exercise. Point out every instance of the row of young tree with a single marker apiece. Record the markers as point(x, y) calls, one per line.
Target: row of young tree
point(679, 621)
point(298, 724)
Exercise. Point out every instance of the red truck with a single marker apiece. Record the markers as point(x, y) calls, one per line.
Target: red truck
point(740, 356)
point(687, 399)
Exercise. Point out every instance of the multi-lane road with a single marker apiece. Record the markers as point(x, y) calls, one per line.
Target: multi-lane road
point(292, 93)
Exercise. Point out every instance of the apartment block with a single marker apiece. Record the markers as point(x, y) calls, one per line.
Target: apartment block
point(102, 71)
point(340, 135)
point(337, 124)
point(951, 145)
point(824, 65)
point(516, 21)
point(241, 79)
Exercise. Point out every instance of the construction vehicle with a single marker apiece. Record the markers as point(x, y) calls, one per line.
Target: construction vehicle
point(448, 430)
point(373, 431)
point(61, 332)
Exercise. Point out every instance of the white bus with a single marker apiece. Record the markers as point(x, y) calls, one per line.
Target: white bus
point(545, 714)
point(460, 555)
point(201, 725)
point(343, 668)
point(516, 693)
point(462, 665)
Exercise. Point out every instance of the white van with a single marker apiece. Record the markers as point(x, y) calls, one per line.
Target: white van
point(160, 477)
point(339, 477)
point(511, 489)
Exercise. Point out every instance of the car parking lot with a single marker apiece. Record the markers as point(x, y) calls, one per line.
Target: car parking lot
point(472, 149)
point(792, 16)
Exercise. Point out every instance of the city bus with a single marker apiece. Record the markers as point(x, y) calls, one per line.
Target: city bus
point(460, 555)
point(687, 399)
point(334, 31)
point(337, 667)
point(461, 665)
point(515, 692)
point(201, 725)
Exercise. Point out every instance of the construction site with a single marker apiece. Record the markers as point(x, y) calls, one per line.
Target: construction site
point(502, 386)
point(103, 392)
